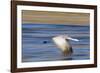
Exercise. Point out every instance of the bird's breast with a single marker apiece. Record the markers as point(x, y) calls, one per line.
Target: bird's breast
point(61, 43)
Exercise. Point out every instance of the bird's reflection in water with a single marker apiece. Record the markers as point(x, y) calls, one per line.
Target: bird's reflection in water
point(68, 58)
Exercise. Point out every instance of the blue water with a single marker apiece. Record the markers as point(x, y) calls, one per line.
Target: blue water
point(37, 44)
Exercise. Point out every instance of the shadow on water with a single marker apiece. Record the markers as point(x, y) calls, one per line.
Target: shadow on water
point(68, 58)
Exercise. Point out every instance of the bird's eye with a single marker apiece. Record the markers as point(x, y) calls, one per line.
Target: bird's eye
point(44, 42)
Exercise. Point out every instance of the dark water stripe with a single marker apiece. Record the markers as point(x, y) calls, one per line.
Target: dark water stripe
point(63, 28)
point(53, 25)
point(53, 35)
point(56, 29)
point(54, 32)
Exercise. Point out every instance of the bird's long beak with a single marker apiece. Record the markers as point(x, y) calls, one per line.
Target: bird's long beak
point(72, 39)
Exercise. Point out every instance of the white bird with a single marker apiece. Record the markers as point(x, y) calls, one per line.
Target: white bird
point(62, 42)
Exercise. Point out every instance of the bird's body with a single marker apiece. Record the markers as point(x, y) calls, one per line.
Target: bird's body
point(63, 44)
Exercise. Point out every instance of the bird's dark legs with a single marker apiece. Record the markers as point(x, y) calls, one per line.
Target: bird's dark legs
point(68, 52)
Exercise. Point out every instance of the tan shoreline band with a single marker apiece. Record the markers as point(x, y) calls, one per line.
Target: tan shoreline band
point(48, 17)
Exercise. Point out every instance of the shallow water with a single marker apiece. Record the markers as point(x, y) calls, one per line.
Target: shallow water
point(37, 44)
